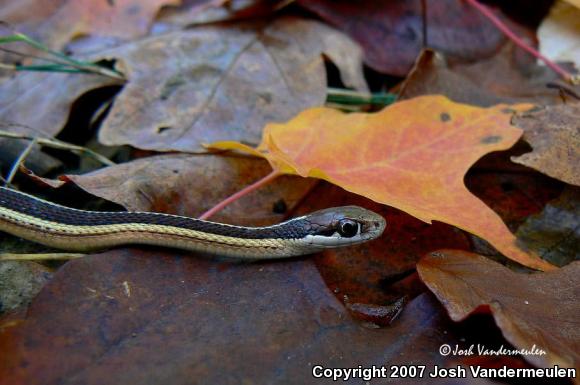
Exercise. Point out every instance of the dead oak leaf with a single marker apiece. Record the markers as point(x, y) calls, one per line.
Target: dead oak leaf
point(413, 155)
point(540, 309)
point(554, 134)
point(215, 83)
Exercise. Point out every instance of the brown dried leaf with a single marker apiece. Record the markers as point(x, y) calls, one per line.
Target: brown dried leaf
point(55, 23)
point(554, 134)
point(391, 32)
point(144, 317)
point(190, 185)
point(540, 309)
point(215, 83)
point(38, 104)
point(507, 77)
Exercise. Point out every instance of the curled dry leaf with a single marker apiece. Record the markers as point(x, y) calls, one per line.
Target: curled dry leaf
point(554, 134)
point(540, 309)
point(391, 32)
point(55, 23)
point(215, 83)
point(412, 155)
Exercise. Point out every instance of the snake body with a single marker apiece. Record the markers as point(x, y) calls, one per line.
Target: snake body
point(70, 229)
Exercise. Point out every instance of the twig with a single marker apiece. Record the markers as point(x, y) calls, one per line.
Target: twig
point(60, 145)
point(573, 79)
point(245, 191)
point(20, 161)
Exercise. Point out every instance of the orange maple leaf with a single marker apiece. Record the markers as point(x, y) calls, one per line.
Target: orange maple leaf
point(412, 155)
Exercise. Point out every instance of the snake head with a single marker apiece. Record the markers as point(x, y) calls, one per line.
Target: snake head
point(341, 226)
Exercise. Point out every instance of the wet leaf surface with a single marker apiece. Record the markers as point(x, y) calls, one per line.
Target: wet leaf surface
point(153, 317)
point(554, 134)
point(416, 164)
point(540, 309)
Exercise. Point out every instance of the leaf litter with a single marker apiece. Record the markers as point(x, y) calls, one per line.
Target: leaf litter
point(170, 317)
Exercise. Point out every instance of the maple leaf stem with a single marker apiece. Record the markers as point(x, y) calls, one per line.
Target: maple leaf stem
point(245, 191)
point(518, 41)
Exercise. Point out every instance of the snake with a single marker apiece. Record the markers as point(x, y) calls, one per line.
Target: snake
point(70, 229)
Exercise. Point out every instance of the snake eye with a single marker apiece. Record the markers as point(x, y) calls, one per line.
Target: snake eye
point(347, 228)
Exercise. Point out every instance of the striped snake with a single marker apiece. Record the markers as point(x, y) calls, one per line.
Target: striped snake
point(70, 229)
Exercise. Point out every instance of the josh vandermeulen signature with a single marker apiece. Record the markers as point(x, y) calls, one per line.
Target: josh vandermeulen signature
point(481, 350)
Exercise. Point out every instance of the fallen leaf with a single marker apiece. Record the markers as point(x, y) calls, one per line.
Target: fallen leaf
point(211, 83)
point(559, 33)
point(555, 232)
point(55, 23)
point(38, 104)
point(538, 310)
point(190, 185)
point(391, 32)
point(144, 317)
point(412, 155)
point(506, 77)
point(216, 82)
point(554, 134)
